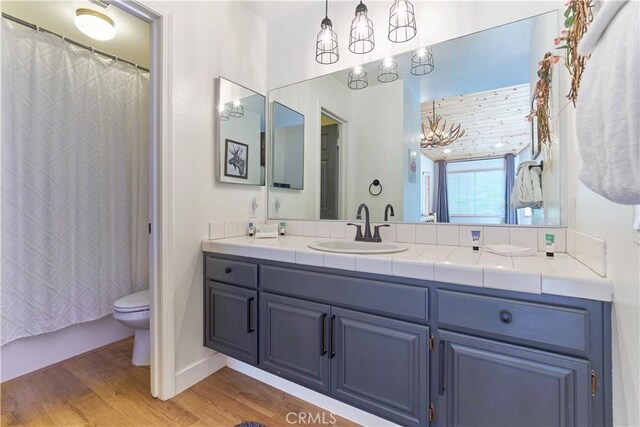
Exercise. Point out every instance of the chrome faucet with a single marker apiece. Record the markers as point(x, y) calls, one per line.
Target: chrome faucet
point(388, 209)
point(367, 227)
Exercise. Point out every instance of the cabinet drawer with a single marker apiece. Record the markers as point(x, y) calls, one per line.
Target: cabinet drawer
point(391, 299)
point(232, 272)
point(557, 327)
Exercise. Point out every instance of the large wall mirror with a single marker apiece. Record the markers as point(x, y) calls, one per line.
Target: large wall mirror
point(367, 136)
point(240, 115)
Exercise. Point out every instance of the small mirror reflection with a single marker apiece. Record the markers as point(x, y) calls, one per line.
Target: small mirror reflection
point(241, 134)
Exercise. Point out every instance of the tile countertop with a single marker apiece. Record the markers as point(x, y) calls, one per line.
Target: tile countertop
point(560, 275)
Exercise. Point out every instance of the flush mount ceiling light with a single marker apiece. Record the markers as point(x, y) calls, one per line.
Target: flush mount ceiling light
point(437, 135)
point(95, 24)
point(499, 144)
point(388, 70)
point(402, 22)
point(446, 150)
point(361, 39)
point(327, 41)
point(422, 61)
point(236, 110)
point(358, 78)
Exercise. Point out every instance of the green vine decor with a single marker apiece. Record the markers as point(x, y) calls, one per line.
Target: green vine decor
point(578, 17)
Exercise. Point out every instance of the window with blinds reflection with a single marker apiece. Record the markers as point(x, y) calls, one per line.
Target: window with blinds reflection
point(476, 190)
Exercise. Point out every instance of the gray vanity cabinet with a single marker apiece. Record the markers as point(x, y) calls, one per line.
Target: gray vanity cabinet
point(380, 365)
point(372, 362)
point(487, 383)
point(230, 321)
point(294, 340)
point(415, 352)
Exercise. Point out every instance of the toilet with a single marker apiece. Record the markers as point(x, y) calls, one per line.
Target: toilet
point(133, 311)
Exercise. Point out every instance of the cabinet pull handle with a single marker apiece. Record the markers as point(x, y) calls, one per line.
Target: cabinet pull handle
point(249, 317)
point(441, 368)
point(227, 270)
point(332, 350)
point(323, 335)
point(211, 318)
point(505, 317)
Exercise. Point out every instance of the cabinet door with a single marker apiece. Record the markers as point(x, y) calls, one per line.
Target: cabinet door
point(380, 365)
point(230, 321)
point(487, 383)
point(294, 340)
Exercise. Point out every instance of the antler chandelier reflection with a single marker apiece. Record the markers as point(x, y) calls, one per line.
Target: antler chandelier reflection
point(437, 135)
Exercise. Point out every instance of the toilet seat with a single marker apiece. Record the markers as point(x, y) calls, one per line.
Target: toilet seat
point(140, 301)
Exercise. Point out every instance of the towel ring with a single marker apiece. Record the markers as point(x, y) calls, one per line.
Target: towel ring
point(375, 183)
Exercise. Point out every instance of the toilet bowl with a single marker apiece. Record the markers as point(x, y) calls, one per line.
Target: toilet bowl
point(133, 311)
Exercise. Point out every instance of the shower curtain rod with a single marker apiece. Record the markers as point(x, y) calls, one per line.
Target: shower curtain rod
point(83, 46)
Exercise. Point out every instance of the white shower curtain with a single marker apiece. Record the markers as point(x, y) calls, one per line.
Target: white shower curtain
point(74, 183)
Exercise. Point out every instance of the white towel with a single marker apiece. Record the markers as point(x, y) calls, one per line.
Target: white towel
point(510, 250)
point(608, 106)
point(527, 191)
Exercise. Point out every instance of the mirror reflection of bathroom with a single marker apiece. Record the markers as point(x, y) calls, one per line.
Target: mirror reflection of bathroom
point(446, 134)
point(75, 187)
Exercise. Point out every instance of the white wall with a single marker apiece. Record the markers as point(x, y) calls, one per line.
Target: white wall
point(288, 155)
point(595, 215)
point(208, 39)
point(377, 138)
point(602, 218)
point(309, 98)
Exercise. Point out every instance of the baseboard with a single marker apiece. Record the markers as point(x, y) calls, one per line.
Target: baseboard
point(328, 404)
point(198, 371)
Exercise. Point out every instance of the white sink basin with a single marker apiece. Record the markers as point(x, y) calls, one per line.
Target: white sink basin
point(353, 247)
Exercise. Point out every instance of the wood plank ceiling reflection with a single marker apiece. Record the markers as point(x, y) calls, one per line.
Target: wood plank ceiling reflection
point(488, 118)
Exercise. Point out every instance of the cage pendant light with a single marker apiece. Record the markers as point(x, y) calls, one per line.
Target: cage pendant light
point(388, 70)
point(224, 112)
point(236, 110)
point(358, 78)
point(402, 22)
point(422, 61)
point(327, 41)
point(361, 39)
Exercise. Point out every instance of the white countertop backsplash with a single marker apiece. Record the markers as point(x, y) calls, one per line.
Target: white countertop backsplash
point(560, 275)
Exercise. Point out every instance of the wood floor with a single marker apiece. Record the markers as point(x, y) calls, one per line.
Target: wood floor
point(103, 389)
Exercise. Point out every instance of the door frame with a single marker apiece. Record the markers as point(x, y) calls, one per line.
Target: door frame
point(425, 183)
point(342, 139)
point(162, 351)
